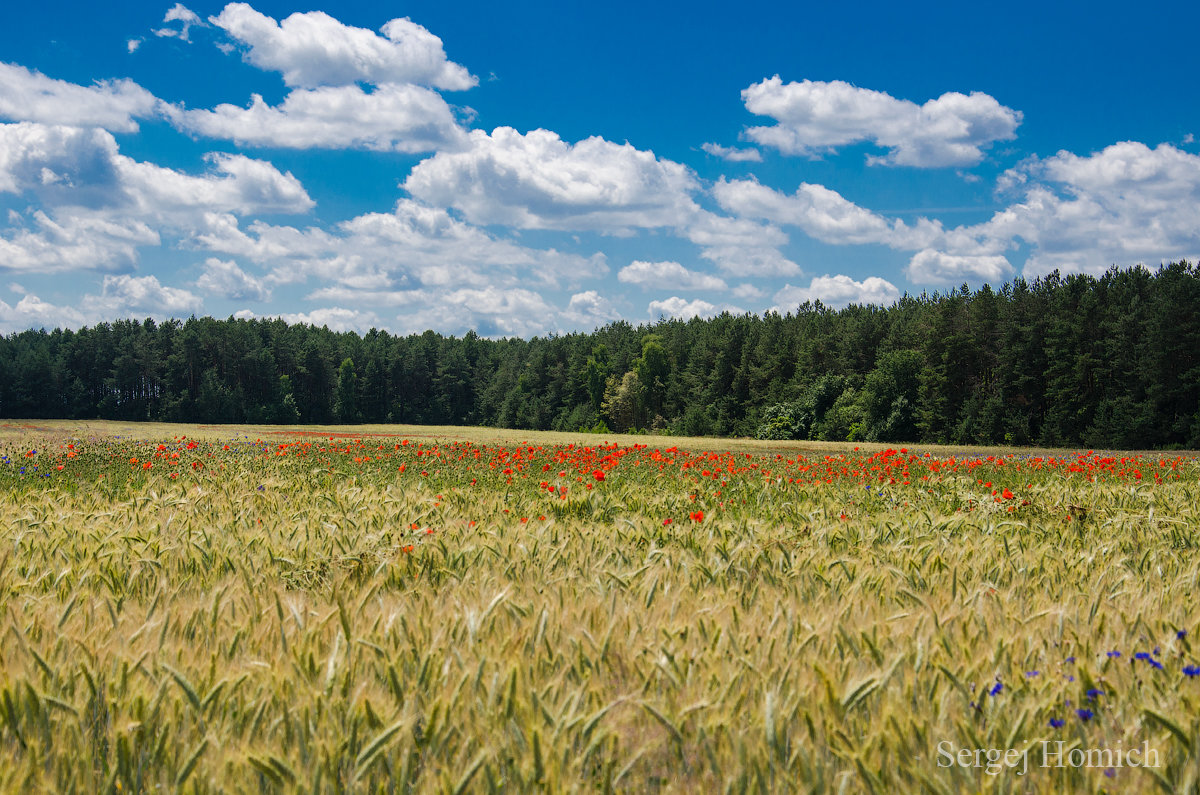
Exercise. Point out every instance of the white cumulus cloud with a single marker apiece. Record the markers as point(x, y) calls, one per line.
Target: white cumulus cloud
point(929, 266)
point(186, 18)
point(668, 274)
point(393, 117)
point(740, 246)
point(26, 95)
point(589, 310)
point(126, 295)
point(837, 291)
point(313, 49)
point(732, 153)
point(223, 278)
point(814, 117)
point(822, 213)
point(1125, 205)
point(539, 181)
point(33, 312)
point(336, 318)
point(98, 207)
point(415, 245)
point(682, 308)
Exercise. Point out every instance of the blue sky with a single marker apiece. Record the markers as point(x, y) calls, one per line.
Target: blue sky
point(538, 168)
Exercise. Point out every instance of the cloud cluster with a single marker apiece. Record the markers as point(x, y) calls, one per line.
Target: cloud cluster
point(119, 296)
point(676, 307)
point(537, 180)
point(413, 246)
point(224, 279)
point(821, 213)
point(313, 49)
point(733, 154)
point(837, 291)
point(813, 117)
point(100, 206)
point(352, 88)
point(393, 117)
point(26, 95)
point(186, 18)
point(1125, 205)
point(668, 274)
point(456, 249)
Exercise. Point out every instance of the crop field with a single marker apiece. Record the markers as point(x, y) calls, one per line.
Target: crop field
point(398, 609)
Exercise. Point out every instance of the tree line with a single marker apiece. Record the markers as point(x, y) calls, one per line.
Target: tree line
point(1111, 362)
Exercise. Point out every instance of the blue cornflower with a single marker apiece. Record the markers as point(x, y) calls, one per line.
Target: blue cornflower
point(1141, 655)
point(1094, 693)
point(1056, 723)
point(1114, 653)
point(1191, 671)
point(1032, 673)
point(1157, 651)
point(1070, 659)
point(996, 689)
point(1181, 634)
point(1084, 714)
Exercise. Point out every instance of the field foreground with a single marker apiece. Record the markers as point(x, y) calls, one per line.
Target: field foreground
point(361, 610)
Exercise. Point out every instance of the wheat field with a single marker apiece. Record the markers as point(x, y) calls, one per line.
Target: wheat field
point(396, 609)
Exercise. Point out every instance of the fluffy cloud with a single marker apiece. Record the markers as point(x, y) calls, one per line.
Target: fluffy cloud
point(337, 318)
point(119, 297)
point(73, 243)
point(822, 213)
point(314, 49)
point(942, 256)
point(69, 166)
point(668, 274)
point(741, 246)
point(26, 95)
point(493, 311)
point(132, 295)
point(325, 61)
point(538, 181)
point(236, 184)
point(682, 308)
point(813, 117)
point(78, 164)
point(393, 117)
point(225, 279)
point(413, 245)
point(747, 290)
point(589, 310)
point(490, 311)
point(929, 266)
point(1124, 205)
point(186, 19)
point(837, 291)
point(733, 154)
point(33, 312)
point(99, 207)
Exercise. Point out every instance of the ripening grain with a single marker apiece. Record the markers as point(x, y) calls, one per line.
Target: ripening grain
point(231, 610)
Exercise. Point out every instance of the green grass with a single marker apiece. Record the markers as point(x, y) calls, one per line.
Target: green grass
point(319, 621)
